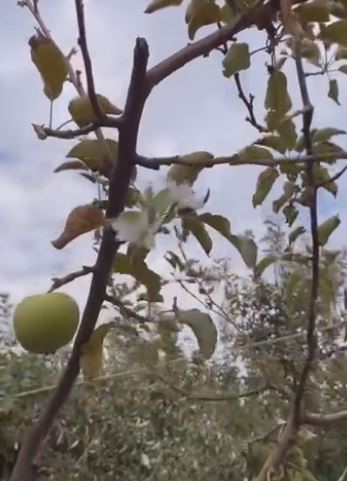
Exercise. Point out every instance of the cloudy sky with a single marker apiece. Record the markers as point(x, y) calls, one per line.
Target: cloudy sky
point(195, 109)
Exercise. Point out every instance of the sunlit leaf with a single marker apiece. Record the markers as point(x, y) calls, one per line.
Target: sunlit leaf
point(81, 109)
point(91, 360)
point(189, 173)
point(203, 328)
point(266, 180)
point(237, 59)
point(200, 13)
point(159, 4)
point(137, 268)
point(51, 63)
point(93, 152)
point(81, 220)
point(253, 152)
point(327, 228)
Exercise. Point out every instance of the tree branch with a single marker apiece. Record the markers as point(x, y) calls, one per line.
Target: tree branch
point(204, 46)
point(249, 103)
point(236, 160)
point(58, 282)
point(125, 311)
point(311, 337)
point(137, 94)
point(82, 41)
point(324, 420)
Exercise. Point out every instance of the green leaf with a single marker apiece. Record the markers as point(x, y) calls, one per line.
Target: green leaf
point(277, 97)
point(291, 213)
point(201, 13)
point(193, 224)
point(322, 176)
point(343, 69)
point(275, 142)
point(93, 152)
point(295, 234)
point(327, 228)
point(51, 64)
point(322, 135)
point(82, 112)
point(246, 246)
point(341, 53)
point(137, 268)
point(71, 165)
point(310, 51)
point(265, 182)
point(273, 119)
point(334, 91)
point(287, 132)
point(335, 32)
point(254, 152)
point(279, 203)
point(189, 173)
point(314, 11)
point(237, 59)
point(159, 4)
point(264, 264)
point(203, 328)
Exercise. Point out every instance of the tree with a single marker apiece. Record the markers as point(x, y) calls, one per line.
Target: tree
point(313, 34)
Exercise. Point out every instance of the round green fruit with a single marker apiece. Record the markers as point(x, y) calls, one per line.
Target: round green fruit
point(45, 322)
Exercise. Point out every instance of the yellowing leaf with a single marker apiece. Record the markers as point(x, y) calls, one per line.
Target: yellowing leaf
point(203, 328)
point(265, 182)
point(159, 4)
point(335, 32)
point(254, 152)
point(93, 152)
point(82, 113)
point(71, 165)
point(186, 173)
point(277, 97)
point(199, 14)
point(50, 62)
point(327, 228)
point(91, 360)
point(82, 219)
point(237, 59)
point(137, 268)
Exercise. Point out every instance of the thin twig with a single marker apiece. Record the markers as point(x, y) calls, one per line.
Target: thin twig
point(82, 41)
point(333, 178)
point(236, 160)
point(61, 281)
point(249, 105)
point(126, 311)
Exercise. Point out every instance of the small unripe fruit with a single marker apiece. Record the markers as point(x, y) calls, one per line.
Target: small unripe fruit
point(45, 322)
